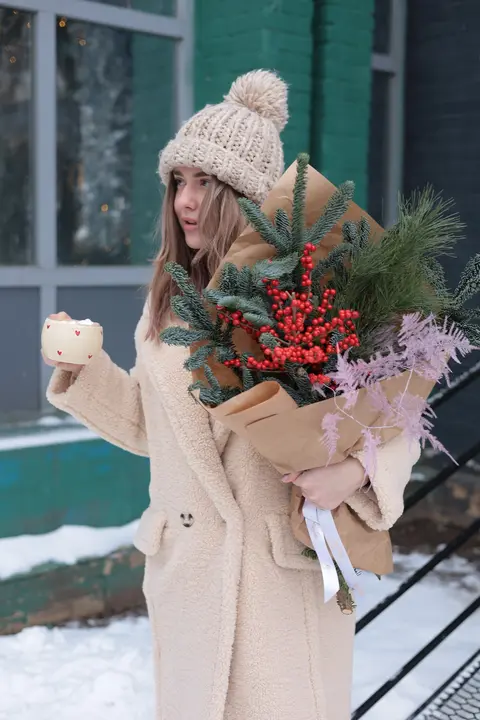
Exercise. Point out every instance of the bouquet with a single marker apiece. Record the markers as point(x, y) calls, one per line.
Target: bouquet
point(322, 334)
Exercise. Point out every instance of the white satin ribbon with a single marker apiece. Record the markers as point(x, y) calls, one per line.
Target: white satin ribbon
point(322, 530)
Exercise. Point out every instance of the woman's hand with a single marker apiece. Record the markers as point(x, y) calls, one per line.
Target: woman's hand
point(75, 369)
point(329, 486)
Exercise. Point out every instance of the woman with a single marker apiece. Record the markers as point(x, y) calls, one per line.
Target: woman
point(237, 616)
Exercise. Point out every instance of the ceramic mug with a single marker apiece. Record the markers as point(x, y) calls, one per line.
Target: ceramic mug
point(71, 341)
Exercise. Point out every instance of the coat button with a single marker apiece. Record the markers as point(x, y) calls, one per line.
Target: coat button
point(187, 519)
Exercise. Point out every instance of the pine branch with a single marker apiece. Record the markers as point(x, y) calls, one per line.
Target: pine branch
point(183, 336)
point(333, 211)
point(298, 207)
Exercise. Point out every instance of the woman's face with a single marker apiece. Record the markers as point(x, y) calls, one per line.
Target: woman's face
point(191, 188)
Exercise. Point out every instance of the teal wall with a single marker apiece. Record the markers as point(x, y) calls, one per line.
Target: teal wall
point(341, 85)
point(235, 37)
point(80, 483)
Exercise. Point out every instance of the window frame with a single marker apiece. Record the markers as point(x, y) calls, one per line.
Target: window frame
point(393, 63)
point(45, 274)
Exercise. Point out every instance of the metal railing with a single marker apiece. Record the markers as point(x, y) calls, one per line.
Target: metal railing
point(444, 394)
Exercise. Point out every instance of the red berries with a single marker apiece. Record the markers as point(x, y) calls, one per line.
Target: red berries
point(308, 333)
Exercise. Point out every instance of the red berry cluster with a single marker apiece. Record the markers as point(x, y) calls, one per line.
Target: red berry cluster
point(303, 329)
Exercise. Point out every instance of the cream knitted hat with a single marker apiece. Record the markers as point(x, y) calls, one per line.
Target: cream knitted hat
point(238, 140)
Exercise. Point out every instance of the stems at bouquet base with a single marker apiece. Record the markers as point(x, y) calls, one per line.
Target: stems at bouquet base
point(345, 599)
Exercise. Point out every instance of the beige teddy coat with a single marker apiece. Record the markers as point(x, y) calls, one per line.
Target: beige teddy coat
point(240, 630)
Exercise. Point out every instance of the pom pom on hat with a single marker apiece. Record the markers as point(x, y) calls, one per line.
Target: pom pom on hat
point(238, 140)
point(262, 92)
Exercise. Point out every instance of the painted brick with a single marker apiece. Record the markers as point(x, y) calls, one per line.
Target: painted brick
point(342, 46)
point(233, 38)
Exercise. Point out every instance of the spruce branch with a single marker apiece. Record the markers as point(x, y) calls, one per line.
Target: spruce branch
point(193, 302)
point(198, 358)
point(469, 283)
point(183, 336)
point(298, 207)
point(246, 305)
point(246, 282)
point(282, 224)
point(333, 211)
point(228, 283)
point(275, 268)
point(269, 341)
point(332, 262)
point(294, 394)
point(261, 223)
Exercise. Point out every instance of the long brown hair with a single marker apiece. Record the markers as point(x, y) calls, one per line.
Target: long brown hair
point(220, 223)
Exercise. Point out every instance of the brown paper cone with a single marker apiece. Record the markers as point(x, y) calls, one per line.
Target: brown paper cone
point(291, 439)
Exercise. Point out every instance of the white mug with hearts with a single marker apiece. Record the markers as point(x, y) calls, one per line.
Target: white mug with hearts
point(71, 341)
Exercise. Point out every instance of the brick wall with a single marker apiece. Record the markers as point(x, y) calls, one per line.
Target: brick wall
point(342, 46)
point(234, 37)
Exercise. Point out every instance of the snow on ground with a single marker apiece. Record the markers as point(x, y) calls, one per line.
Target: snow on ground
point(68, 544)
point(105, 673)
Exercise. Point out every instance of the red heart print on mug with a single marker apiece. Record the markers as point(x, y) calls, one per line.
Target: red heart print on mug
point(89, 357)
point(59, 352)
point(77, 332)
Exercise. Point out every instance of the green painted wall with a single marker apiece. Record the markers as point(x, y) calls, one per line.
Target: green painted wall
point(342, 47)
point(82, 483)
point(234, 37)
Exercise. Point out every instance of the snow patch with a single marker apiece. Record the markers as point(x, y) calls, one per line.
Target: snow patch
point(67, 545)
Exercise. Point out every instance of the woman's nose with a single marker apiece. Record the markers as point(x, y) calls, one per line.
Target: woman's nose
point(189, 201)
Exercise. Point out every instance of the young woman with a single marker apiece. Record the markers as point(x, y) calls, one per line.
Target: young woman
point(240, 631)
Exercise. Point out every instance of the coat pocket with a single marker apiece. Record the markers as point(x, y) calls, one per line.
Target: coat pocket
point(286, 549)
point(149, 532)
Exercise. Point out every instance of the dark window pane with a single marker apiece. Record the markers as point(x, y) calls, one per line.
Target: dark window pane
point(116, 110)
point(378, 146)
point(19, 379)
point(158, 7)
point(16, 245)
point(382, 22)
point(117, 309)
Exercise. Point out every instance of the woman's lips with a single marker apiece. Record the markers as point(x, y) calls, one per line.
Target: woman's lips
point(190, 226)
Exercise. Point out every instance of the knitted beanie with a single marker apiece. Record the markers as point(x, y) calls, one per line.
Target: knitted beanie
point(238, 140)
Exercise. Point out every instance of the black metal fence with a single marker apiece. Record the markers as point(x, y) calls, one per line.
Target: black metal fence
point(459, 697)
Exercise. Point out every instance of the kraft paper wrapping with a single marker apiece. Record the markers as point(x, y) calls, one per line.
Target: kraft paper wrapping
point(288, 436)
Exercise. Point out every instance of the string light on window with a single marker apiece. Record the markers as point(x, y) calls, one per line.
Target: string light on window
point(82, 42)
point(104, 208)
point(13, 59)
point(62, 22)
point(29, 25)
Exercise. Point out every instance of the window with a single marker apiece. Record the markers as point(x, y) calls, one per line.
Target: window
point(386, 110)
point(89, 94)
point(113, 115)
point(16, 247)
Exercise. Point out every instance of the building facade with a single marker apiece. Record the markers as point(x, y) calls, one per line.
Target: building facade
point(383, 92)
